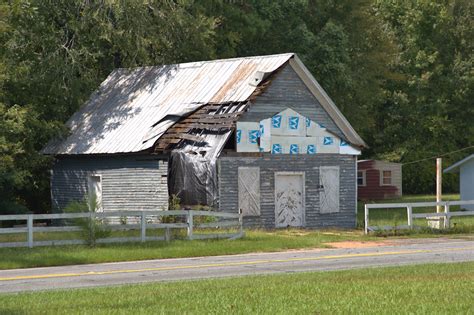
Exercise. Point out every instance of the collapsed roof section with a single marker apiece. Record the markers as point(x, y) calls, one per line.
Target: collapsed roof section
point(133, 108)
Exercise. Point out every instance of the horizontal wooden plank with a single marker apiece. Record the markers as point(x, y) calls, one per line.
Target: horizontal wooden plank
point(217, 224)
point(59, 242)
point(215, 214)
point(13, 244)
point(13, 230)
point(461, 213)
point(118, 240)
point(428, 215)
point(15, 217)
point(56, 229)
point(215, 236)
point(167, 225)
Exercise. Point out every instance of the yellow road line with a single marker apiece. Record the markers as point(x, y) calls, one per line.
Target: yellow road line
point(228, 264)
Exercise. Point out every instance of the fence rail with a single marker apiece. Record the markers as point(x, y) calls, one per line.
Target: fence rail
point(144, 221)
point(446, 215)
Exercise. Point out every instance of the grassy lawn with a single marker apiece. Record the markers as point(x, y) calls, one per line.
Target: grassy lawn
point(254, 241)
point(422, 289)
point(383, 217)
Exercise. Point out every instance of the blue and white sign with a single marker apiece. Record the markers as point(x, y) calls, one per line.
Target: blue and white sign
point(293, 122)
point(294, 149)
point(239, 135)
point(308, 122)
point(276, 149)
point(262, 129)
point(344, 143)
point(321, 126)
point(311, 149)
point(328, 141)
point(253, 136)
point(276, 121)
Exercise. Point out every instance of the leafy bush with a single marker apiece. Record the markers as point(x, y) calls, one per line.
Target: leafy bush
point(91, 228)
point(9, 207)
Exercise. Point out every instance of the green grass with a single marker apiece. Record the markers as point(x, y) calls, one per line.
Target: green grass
point(398, 216)
point(422, 289)
point(254, 241)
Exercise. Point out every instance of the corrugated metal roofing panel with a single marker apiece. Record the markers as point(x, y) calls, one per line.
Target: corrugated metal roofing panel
point(131, 101)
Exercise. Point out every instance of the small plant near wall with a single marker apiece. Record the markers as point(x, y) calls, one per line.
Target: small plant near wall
point(174, 203)
point(92, 228)
point(201, 218)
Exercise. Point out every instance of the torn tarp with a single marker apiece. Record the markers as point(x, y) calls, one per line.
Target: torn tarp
point(193, 170)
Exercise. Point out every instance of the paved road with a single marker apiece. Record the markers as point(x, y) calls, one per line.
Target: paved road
point(398, 253)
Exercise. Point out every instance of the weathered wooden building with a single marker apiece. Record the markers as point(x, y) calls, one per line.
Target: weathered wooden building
point(465, 167)
point(378, 180)
point(256, 133)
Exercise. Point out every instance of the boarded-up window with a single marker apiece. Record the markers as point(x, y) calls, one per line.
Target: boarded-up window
point(329, 189)
point(386, 177)
point(249, 190)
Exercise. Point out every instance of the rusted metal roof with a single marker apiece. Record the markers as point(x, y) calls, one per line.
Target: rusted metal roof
point(133, 107)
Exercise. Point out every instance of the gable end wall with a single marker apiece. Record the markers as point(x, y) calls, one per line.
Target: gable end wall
point(288, 90)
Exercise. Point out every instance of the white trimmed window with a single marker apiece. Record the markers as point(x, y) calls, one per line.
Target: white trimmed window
point(386, 178)
point(360, 178)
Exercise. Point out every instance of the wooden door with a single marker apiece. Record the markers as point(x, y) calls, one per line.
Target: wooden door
point(289, 199)
point(329, 189)
point(249, 190)
point(95, 192)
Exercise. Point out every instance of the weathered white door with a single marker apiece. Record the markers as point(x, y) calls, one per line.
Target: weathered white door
point(249, 190)
point(329, 189)
point(289, 199)
point(95, 192)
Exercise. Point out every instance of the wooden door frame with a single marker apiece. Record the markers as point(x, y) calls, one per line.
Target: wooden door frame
point(287, 173)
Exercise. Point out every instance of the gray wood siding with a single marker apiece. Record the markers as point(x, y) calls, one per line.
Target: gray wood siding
point(128, 182)
point(269, 164)
point(288, 90)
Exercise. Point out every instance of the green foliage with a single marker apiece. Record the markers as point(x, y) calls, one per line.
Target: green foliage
point(387, 290)
point(92, 228)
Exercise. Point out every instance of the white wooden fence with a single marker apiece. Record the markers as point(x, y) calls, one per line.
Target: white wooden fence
point(446, 215)
point(147, 220)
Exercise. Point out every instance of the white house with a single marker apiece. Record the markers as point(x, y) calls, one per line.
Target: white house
point(466, 178)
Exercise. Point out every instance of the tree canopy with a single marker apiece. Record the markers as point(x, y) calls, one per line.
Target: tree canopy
point(401, 71)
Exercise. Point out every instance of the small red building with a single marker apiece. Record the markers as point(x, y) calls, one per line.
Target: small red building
point(378, 180)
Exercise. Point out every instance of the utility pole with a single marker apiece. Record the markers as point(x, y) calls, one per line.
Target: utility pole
point(439, 186)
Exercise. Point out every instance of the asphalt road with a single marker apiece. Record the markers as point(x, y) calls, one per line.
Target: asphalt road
point(399, 253)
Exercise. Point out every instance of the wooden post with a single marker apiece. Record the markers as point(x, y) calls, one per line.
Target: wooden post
point(446, 218)
point(189, 219)
point(410, 217)
point(439, 186)
point(29, 223)
point(366, 219)
point(241, 221)
point(167, 234)
point(143, 227)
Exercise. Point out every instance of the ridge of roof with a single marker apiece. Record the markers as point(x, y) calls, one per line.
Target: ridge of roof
point(456, 165)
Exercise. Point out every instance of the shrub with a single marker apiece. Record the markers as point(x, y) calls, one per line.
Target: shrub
point(91, 228)
point(10, 207)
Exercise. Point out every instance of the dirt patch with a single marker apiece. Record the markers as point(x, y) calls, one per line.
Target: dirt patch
point(358, 244)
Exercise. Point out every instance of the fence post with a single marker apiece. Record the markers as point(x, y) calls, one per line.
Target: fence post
point(410, 216)
point(446, 218)
point(143, 227)
point(189, 220)
point(366, 219)
point(241, 222)
point(29, 223)
point(167, 234)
